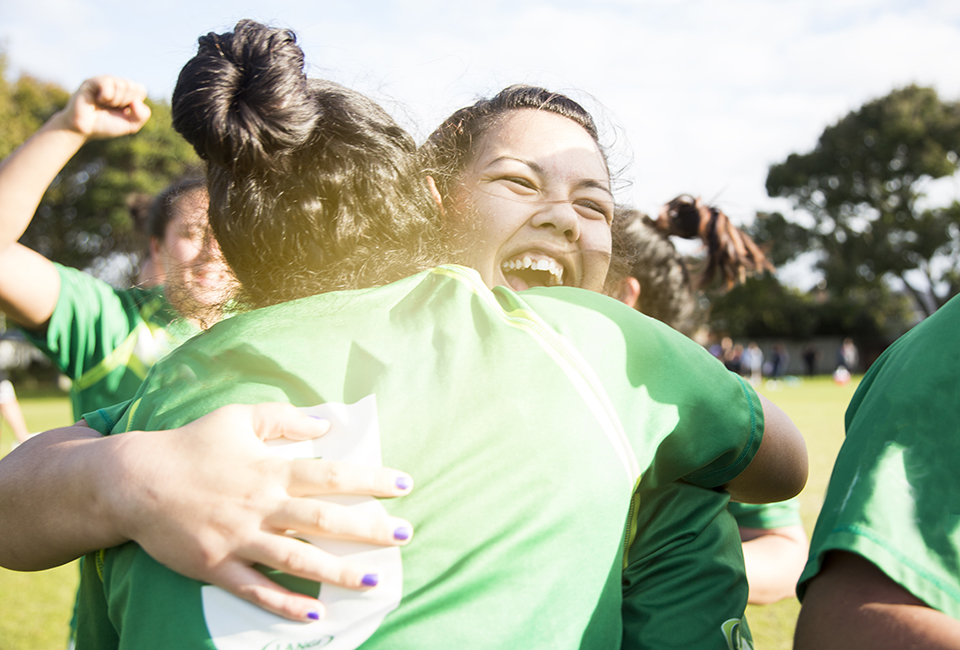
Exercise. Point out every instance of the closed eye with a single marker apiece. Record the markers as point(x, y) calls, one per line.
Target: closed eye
point(597, 210)
point(520, 181)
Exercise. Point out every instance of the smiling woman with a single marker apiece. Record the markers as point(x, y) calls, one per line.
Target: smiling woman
point(524, 174)
point(541, 185)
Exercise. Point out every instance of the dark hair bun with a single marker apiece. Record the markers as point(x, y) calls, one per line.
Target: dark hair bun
point(243, 98)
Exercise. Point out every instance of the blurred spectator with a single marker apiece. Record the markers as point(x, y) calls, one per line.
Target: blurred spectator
point(847, 355)
point(752, 363)
point(810, 356)
point(779, 361)
point(10, 411)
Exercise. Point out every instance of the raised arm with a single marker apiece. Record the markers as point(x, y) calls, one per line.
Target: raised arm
point(103, 107)
point(779, 469)
point(207, 500)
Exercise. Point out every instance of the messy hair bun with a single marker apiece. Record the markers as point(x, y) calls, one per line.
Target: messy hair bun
point(313, 187)
point(243, 98)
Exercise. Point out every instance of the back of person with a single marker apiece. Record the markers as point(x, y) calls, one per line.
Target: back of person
point(526, 430)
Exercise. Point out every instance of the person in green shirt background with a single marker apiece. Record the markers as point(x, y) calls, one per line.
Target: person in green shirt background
point(104, 339)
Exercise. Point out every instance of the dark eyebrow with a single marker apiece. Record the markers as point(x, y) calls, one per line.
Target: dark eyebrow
point(587, 183)
point(592, 184)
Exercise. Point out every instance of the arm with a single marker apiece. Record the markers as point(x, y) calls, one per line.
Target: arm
point(779, 469)
point(852, 604)
point(774, 558)
point(207, 500)
point(103, 107)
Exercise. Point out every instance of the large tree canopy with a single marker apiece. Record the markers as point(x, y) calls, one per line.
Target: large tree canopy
point(861, 185)
point(84, 216)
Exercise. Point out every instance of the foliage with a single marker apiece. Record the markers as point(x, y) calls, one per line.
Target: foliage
point(761, 307)
point(84, 216)
point(862, 184)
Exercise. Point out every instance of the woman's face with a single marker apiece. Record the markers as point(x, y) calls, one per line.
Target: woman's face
point(194, 271)
point(539, 190)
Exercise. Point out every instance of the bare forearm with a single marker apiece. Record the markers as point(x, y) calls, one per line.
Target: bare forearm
point(774, 559)
point(49, 499)
point(29, 283)
point(27, 172)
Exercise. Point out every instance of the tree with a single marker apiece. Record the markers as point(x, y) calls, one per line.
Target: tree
point(861, 185)
point(84, 218)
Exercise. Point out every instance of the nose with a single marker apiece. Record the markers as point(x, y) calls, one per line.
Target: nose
point(561, 216)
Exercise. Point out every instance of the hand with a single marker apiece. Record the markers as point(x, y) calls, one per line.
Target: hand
point(209, 500)
point(106, 107)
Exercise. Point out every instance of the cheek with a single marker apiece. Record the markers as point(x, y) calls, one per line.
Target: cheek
point(596, 236)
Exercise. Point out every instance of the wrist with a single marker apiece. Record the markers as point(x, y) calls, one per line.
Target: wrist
point(117, 495)
point(65, 127)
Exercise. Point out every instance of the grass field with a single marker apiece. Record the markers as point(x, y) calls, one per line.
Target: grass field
point(35, 607)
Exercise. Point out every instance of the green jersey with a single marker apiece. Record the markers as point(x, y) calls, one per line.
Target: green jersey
point(106, 339)
point(894, 495)
point(535, 424)
point(767, 515)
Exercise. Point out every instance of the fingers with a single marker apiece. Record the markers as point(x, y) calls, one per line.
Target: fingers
point(299, 558)
point(278, 420)
point(107, 107)
point(117, 92)
point(249, 584)
point(313, 517)
point(316, 477)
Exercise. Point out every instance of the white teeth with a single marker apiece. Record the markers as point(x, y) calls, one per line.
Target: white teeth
point(551, 266)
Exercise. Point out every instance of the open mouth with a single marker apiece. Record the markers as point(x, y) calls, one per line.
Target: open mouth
point(532, 271)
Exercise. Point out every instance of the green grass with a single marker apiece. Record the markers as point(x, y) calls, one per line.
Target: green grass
point(35, 607)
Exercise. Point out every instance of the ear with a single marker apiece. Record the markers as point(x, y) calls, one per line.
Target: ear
point(435, 193)
point(629, 292)
point(154, 249)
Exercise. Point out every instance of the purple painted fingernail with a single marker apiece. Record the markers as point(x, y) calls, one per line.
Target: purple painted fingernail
point(313, 616)
point(403, 482)
point(370, 580)
point(401, 533)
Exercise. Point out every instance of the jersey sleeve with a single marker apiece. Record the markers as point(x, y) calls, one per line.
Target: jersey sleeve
point(105, 420)
point(686, 416)
point(767, 515)
point(89, 320)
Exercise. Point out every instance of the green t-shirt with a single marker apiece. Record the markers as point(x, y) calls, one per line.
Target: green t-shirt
point(528, 421)
point(894, 495)
point(767, 515)
point(105, 339)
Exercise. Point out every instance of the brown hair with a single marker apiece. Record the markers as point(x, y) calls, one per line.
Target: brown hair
point(313, 187)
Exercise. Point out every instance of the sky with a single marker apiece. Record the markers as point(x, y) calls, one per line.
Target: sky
point(693, 96)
